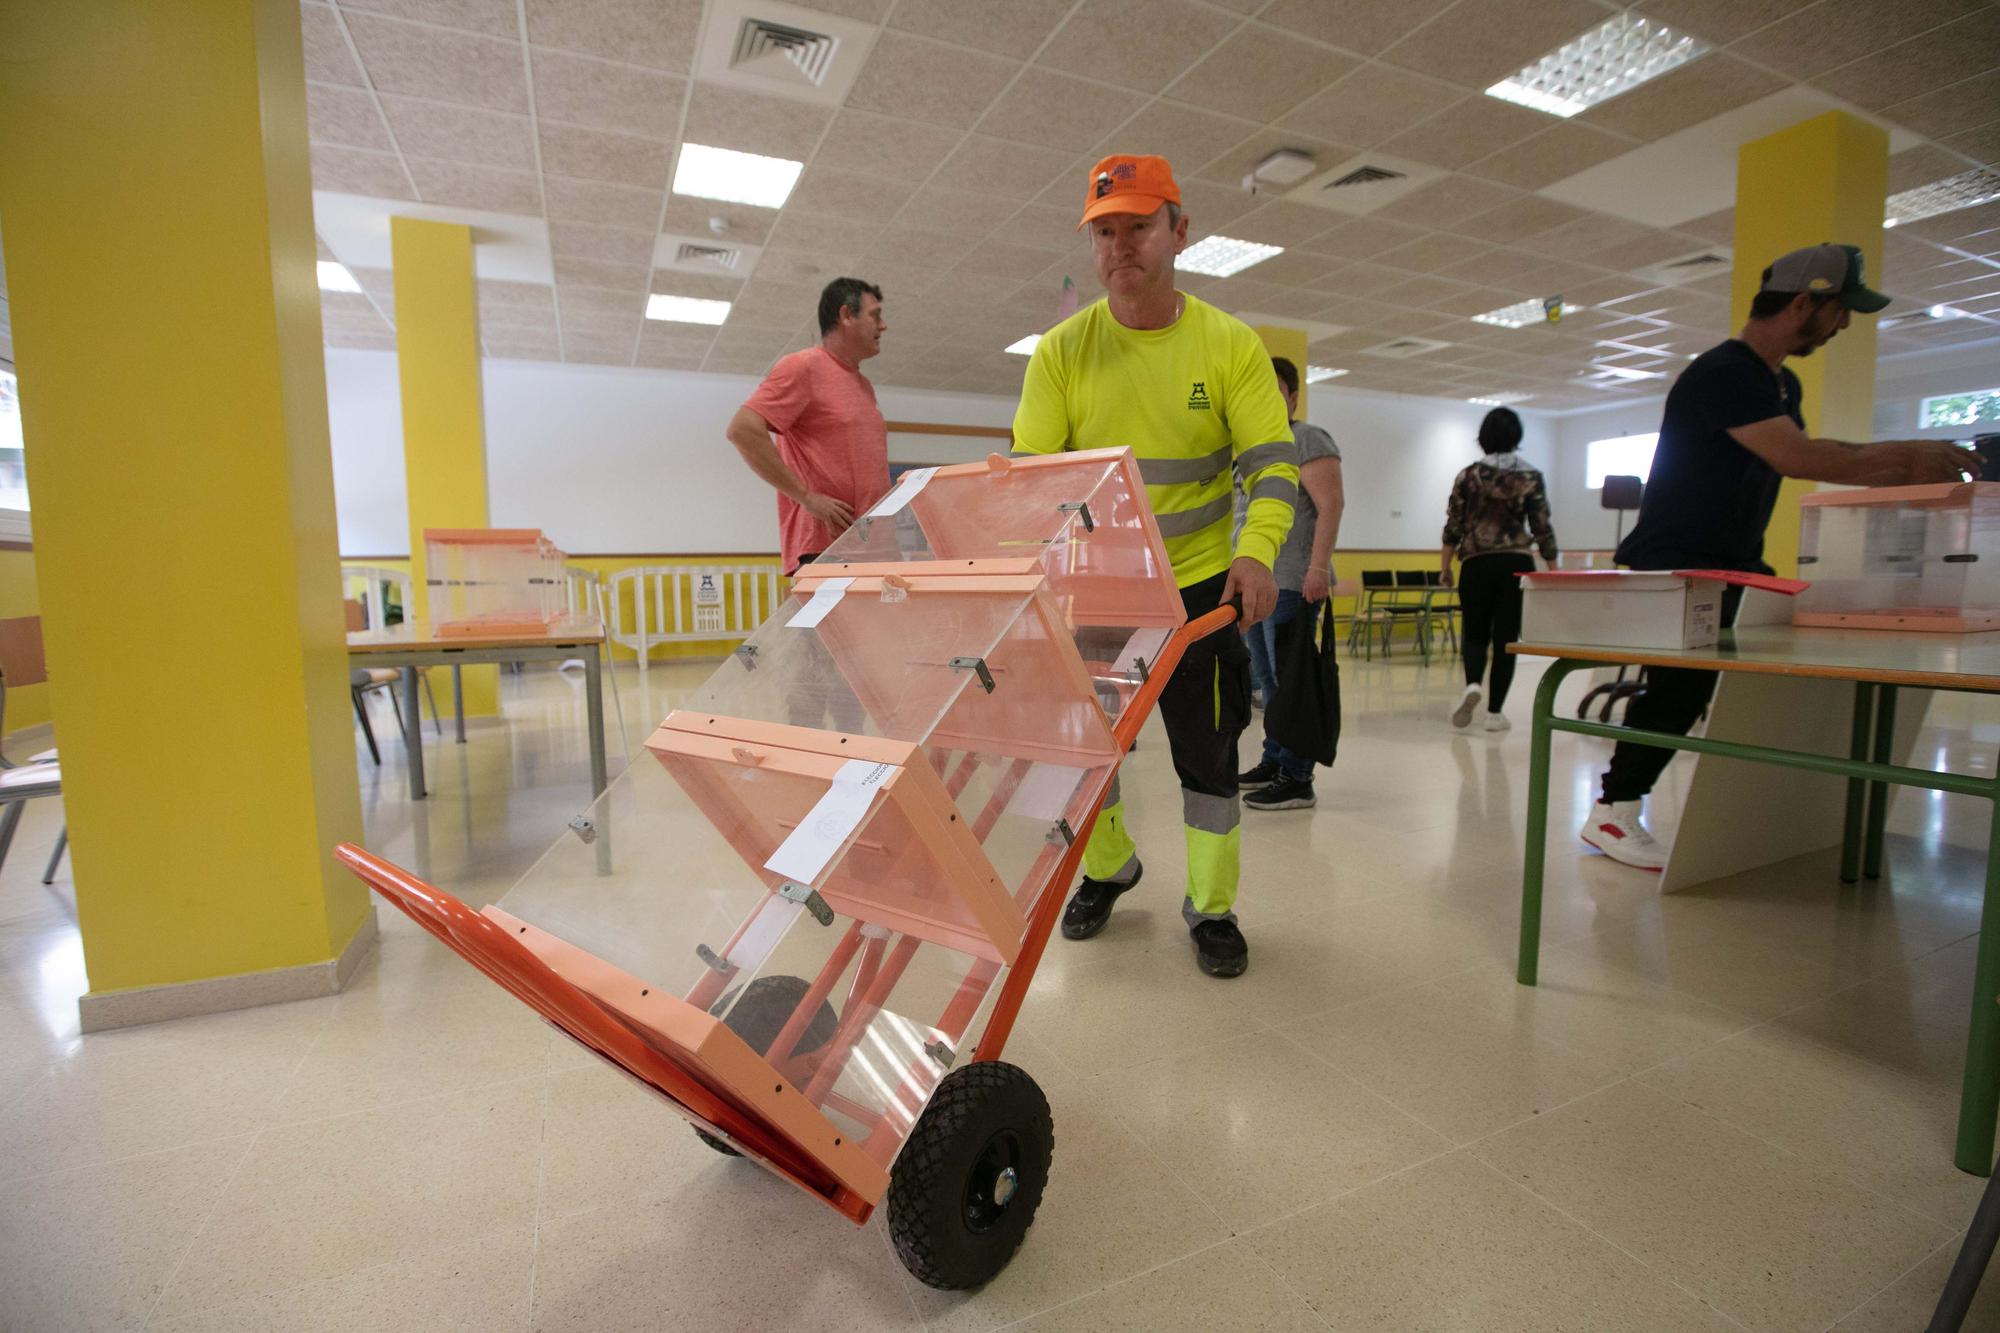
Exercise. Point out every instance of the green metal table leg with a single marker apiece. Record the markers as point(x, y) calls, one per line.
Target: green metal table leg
point(1850, 829)
point(1878, 792)
point(1980, 1099)
point(1535, 851)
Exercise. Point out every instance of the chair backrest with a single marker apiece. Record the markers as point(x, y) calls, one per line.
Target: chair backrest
point(369, 584)
point(1410, 578)
point(584, 590)
point(1377, 578)
point(21, 661)
point(1433, 578)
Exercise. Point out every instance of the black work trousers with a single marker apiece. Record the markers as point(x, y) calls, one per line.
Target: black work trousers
point(1489, 599)
point(1673, 701)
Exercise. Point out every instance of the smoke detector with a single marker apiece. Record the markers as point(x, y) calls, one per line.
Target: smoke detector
point(1286, 166)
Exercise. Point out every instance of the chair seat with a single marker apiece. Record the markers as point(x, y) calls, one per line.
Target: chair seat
point(30, 775)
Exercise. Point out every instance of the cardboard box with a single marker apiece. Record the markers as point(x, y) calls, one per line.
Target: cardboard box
point(1616, 608)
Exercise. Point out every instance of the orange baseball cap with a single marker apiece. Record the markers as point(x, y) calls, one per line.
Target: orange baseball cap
point(1125, 183)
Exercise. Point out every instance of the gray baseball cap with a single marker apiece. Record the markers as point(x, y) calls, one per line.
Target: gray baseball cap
point(1824, 270)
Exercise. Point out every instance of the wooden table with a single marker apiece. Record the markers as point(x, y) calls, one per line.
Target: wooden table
point(1878, 662)
point(412, 646)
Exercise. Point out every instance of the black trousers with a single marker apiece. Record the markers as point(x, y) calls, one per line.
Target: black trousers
point(1205, 704)
point(1672, 701)
point(1489, 597)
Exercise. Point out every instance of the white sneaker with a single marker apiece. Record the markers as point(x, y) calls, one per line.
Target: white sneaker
point(1461, 716)
point(1498, 722)
point(1618, 832)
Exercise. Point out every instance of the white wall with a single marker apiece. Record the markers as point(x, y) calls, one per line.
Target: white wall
point(607, 460)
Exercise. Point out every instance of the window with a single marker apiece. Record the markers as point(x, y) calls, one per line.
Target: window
point(13, 461)
point(1977, 408)
point(1619, 456)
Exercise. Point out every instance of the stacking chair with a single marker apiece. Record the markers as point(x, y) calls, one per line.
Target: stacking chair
point(1411, 602)
point(364, 681)
point(1445, 606)
point(1376, 586)
point(22, 663)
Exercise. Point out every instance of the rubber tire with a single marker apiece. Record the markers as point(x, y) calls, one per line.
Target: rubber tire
point(928, 1185)
point(760, 1016)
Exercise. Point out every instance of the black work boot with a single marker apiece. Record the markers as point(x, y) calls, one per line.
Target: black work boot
point(1090, 907)
point(1220, 949)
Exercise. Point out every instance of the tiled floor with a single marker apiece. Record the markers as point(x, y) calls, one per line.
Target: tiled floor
point(1732, 1108)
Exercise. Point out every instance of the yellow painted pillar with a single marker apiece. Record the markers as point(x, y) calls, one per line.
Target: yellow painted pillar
point(1824, 179)
point(444, 420)
point(159, 252)
point(1290, 344)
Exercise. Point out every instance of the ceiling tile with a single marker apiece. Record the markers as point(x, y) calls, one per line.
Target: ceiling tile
point(1719, 227)
point(462, 185)
point(686, 215)
point(444, 66)
point(495, 18)
point(928, 81)
point(1282, 222)
point(587, 240)
point(1555, 154)
point(1047, 227)
point(1466, 131)
point(593, 350)
point(1363, 238)
point(1207, 204)
point(1719, 21)
point(1515, 221)
point(708, 287)
point(1982, 145)
point(657, 33)
point(1002, 259)
point(503, 301)
point(847, 194)
point(1261, 73)
point(999, 166)
point(1299, 268)
point(1372, 104)
point(1478, 42)
point(1186, 136)
point(868, 11)
point(1920, 166)
point(581, 305)
point(753, 123)
point(327, 58)
point(822, 233)
point(1832, 33)
point(1943, 55)
point(764, 304)
point(523, 346)
point(460, 133)
point(621, 159)
point(1656, 247)
point(345, 116)
point(598, 201)
point(797, 267)
point(1697, 91)
point(1431, 252)
point(1422, 290)
point(1942, 111)
point(1004, 27)
point(352, 171)
point(917, 239)
point(604, 96)
point(1447, 200)
point(1365, 280)
point(599, 273)
point(1057, 111)
point(1367, 26)
point(887, 146)
point(1143, 44)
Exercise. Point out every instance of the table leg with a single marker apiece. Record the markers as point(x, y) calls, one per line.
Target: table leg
point(413, 732)
point(593, 702)
point(1980, 1099)
point(1536, 849)
point(1850, 829)
point(1878, 792)
point(458, 701)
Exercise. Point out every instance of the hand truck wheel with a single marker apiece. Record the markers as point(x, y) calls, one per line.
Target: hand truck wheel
point(965, 1188)
point(767, 1004)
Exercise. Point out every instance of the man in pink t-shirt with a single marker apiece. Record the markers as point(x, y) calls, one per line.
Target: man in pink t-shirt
point(813, 430)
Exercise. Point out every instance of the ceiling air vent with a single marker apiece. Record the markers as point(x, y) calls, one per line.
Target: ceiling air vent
point(1698, 261)
point(1687, 268)
point(1402, 348)
point(1363, 176)
point(782, 53)
point(719, 257)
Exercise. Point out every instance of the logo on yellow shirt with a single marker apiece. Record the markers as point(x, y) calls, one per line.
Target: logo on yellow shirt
point(1198, 399)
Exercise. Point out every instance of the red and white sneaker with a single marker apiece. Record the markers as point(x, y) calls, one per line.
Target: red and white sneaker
point(1618, 832)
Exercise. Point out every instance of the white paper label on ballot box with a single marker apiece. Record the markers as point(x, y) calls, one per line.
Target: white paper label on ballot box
point(831, 821)
point(1629, 610)
point(822, 601)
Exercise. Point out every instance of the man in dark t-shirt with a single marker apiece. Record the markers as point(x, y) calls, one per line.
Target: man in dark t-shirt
point(1731, 432)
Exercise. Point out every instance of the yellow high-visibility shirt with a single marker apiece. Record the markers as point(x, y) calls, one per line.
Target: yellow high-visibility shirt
point(1197, 402)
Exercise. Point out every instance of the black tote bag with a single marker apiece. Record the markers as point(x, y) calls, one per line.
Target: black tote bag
point(1305, 715)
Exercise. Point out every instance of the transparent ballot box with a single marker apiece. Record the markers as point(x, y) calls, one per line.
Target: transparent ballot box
point(493, 580)
point(1902, 557)
point(1082, 519)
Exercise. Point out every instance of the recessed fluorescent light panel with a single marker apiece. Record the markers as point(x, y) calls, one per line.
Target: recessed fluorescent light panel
point(1220, 256)
point(1628, 373)
point(1500, 399)
point(1314, 374)
point(334, 277)
point(736, 178)
point(686, 309)
point(1967, 188)
point(1023, 346)
point(1522, 313)
point(1614, 57)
